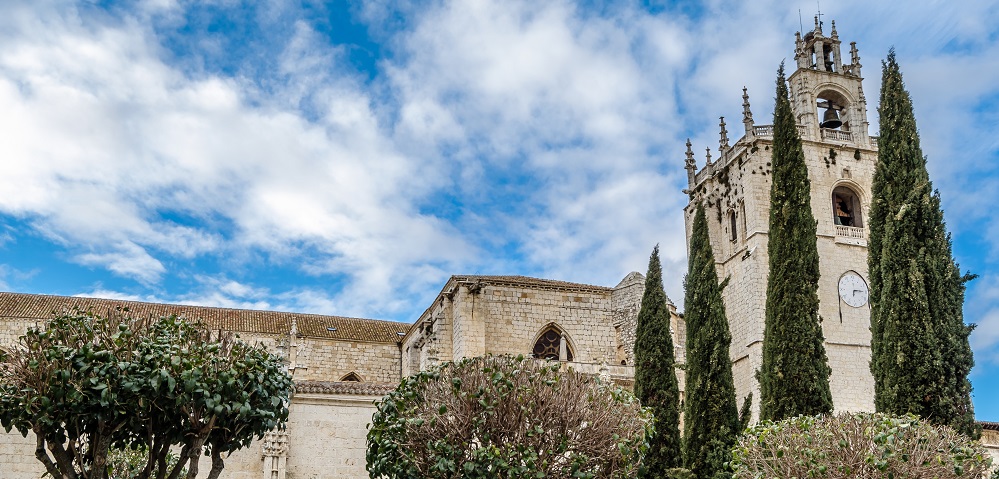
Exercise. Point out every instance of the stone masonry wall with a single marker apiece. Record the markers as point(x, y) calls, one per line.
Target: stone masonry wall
point(627, 301)
point(514, 318)
point(317, 358)
point(990, 438)
point(325, 439)
point(740, 185)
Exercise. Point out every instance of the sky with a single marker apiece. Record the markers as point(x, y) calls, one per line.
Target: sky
point(346, 158)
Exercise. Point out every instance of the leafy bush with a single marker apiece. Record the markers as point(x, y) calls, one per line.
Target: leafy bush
point(86, 385)
point(504, 417)
point(858, 445)
point(130, 463)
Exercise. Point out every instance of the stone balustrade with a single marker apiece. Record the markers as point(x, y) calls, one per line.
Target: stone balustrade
point(850, 232)
point(837, 135)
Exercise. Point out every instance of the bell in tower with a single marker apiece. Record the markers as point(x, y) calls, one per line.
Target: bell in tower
point(830, 119)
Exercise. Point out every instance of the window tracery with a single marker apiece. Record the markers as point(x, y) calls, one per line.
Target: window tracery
point(550, 346)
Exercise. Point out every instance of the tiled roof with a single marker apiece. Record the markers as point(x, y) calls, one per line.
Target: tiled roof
point(344, 387)
point(41, 307)
point(992, 426)
point(533, 282)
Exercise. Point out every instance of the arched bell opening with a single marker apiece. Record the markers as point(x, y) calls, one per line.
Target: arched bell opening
point(846, 207)
point(833, 110)
point(552, 345)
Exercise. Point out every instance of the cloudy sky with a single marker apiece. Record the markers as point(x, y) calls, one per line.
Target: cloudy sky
point(346, 157)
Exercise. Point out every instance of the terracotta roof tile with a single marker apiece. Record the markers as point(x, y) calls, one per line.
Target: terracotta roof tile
point(344, 387)
point(992, 426)
point(41, 307)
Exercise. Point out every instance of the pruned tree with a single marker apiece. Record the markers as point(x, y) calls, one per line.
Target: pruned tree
point(656, 385)
point(86, 384)
point(711, 417)
point(794, 375)
point(504, 417)
point(920, 354)
point(858, 445)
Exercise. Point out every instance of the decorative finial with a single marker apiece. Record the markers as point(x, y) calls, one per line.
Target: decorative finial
point(690, 163)
point(747, 114)
point(854, 59)
point(708, 150)
point(835, 35)
point(723, 137)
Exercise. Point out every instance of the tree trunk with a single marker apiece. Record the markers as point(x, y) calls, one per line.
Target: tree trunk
point(217, 464)
point(184, 459)
point(43, 457)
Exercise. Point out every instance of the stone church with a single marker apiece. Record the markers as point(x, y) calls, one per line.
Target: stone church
point(342, 365)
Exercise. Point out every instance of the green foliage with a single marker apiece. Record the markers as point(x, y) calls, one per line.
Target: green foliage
point(858, 445)
point(129, 463)
point(920, 352)
point(87, 384)
point(794, 376)
point(503, 417)
point(656, 385)
point(678, 473)
point(711, 418)
point(746, 412)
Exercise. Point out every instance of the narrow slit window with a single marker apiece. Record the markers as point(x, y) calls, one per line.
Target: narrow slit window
point(734, 235)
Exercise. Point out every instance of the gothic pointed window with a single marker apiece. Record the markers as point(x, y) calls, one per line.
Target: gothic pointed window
point(550, 345)
point(352, 376)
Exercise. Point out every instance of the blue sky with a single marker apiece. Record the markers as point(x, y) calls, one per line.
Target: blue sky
point(347, 157)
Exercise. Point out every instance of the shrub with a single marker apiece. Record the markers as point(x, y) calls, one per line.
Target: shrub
point(505, 417)
point(858, 445)
point(87, 385)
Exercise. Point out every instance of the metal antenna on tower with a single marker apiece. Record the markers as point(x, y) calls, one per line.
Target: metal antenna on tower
point(801, 26)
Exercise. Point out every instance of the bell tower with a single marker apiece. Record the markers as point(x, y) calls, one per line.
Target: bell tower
point(826, 94)
point(831, 112)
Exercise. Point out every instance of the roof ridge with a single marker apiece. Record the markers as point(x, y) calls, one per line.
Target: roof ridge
point(29, 306)
point(530, 279)
point(189, 305)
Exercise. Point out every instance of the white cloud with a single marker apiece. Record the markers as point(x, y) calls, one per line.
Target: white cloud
point(546, 95)
point(107, 145)
point(502, 137)
point(985, 338)
point(980, 308)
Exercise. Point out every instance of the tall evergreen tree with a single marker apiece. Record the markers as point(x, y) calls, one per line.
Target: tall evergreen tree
point(655, 374)
point(920, 352)
point(711, 417)
point(794, 377)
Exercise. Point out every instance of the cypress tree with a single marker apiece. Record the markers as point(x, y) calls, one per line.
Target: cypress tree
point(920, 352)
point(794, 377)
point(711, 417)
point(655, 375)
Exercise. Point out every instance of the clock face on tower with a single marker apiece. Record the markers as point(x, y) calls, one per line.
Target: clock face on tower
point(853, 289)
